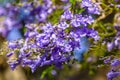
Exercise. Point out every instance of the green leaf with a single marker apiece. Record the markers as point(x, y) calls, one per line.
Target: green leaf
point(46, 71)
point(54, 18)
point(79, 0)
point(72, 1)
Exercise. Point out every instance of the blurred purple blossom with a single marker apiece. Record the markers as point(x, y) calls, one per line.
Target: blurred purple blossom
point(112, 75)
point(91, 7)
point(115, 62)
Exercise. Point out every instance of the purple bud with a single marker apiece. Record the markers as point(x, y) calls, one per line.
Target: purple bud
point(12, 45)
point(110, 45)
point(10, 54)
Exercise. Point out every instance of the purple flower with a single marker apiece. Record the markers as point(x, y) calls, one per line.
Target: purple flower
point(94, 34)
point(2, 11)
point(42, 16)
point(118, 6)
point(30, 34)
point(114, 71)
point(10, 54)
point(107, 60)
point(14, 64)
point(80, 20)
point(12, 45)
point(110, 46)
point(91, 7)
point(117, 42)
point(63, 25)
point(67, 15)
point(50, 43)
point(64, 0)
point(112, 75)
point(115, 62)
point(53, 72)
point(48, 28)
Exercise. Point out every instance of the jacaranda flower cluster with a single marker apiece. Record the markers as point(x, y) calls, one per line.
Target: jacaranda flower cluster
point(46, 43)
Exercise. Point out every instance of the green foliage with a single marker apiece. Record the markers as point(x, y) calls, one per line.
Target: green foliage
point(54, 18)
point(47, 72)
